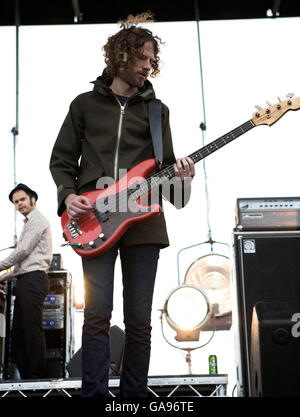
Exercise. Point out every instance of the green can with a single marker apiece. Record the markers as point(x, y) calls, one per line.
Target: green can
point(212, 364)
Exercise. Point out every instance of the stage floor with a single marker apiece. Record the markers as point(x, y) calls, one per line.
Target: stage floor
point(158, 386)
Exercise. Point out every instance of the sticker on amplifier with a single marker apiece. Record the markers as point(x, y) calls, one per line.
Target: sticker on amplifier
point(249, 246)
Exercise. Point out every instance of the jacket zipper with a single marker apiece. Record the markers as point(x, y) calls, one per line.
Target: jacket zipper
point(116, 158)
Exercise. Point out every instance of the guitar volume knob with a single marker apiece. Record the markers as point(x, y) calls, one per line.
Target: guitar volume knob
point(92, 244)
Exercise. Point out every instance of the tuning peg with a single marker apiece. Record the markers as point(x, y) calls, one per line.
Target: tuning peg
point(268, 103)
point(258, 107)
point(290, 95)
point(279, 99)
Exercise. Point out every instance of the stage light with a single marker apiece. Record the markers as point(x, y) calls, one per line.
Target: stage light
point(202, 303)
point(211, 273)
point(186, 310)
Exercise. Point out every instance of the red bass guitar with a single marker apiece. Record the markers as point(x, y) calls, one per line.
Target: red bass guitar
point(118, 207)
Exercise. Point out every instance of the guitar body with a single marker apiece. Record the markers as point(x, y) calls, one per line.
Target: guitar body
point(100, 229)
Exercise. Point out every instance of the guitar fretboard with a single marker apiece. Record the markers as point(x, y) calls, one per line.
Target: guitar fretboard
point(168, 173)
point(222, 141)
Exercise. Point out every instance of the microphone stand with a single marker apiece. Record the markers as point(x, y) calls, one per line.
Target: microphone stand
point(15, 129)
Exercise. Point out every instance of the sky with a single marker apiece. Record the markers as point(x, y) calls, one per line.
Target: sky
point(244, 63)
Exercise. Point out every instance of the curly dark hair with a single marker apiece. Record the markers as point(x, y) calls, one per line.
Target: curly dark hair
point(123, 48)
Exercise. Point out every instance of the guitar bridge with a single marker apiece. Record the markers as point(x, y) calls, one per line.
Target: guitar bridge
point(74, 229)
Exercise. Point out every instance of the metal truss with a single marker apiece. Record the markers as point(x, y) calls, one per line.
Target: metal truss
point(160, 386)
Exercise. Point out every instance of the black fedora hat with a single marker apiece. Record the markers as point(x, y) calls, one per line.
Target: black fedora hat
point(23, 187)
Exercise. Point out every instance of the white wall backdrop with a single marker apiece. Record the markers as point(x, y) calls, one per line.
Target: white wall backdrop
point(244, 63)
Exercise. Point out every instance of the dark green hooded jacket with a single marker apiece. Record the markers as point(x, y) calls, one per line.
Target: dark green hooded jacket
point(92, 143)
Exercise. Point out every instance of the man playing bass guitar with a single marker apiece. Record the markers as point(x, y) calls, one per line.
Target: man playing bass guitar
point(106, 131)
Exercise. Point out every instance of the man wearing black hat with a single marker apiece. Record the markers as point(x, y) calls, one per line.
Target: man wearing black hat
point(30, 260)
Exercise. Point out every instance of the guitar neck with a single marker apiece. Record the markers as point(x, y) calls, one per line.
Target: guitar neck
point(202, 153)
point(222, 141)
point(168, 173)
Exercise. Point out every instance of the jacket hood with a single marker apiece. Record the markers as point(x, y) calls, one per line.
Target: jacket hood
point(102, 83)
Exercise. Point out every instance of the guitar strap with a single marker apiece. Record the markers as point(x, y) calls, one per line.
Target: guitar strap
point(155, 107)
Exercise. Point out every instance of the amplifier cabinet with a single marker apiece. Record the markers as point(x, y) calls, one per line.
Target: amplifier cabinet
point(266, 269)
point(58, 323)
point(253, 214)
point(275, 346)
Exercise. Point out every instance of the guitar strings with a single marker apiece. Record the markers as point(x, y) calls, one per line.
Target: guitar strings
point(123, 196)
point(150, 183)
point(168, 172)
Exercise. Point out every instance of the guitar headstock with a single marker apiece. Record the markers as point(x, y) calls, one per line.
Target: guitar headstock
point(274, 112)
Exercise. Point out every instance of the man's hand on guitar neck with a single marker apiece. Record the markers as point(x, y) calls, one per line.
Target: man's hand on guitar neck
point(77, 206)
point(184, 168)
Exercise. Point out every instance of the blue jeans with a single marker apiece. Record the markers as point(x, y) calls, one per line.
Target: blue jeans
point(139, 265)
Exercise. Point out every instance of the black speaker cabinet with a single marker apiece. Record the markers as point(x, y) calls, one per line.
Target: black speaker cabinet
point(275, 346)
point(266, 269)
point(117, 343)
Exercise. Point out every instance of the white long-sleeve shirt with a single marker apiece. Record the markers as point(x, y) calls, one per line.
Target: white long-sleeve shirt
point(33, 251)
